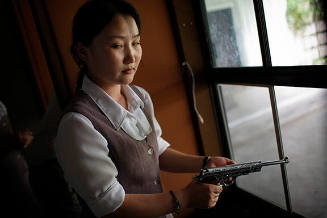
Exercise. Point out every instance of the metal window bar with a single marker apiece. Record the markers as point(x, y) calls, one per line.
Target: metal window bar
point(267, 64)
point(267, 69)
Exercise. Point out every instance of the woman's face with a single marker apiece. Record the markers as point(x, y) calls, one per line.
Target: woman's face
point(115, 53)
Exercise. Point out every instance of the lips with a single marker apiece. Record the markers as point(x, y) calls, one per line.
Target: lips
point(129, 70)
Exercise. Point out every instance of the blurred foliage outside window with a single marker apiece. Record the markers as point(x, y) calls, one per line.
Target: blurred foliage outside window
point(301, 14)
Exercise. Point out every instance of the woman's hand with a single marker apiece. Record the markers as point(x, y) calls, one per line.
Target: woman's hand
point(219, 161)
point(199, 195)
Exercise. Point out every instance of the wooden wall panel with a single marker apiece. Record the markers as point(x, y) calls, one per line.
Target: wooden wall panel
point(190, 47)
point(61, 13)
point(34, 50)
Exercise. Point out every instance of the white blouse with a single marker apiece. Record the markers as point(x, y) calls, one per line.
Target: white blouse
point(89, 169)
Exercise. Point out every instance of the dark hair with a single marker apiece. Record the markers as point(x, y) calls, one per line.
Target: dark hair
point(89, 21)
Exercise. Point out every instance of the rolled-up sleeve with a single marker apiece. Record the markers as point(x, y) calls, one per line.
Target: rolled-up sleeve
point(162, 143)
point(82, 152)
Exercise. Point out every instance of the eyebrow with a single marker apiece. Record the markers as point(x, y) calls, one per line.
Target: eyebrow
point(123, 37)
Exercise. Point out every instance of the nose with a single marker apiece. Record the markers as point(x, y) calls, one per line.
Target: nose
point(129, 55)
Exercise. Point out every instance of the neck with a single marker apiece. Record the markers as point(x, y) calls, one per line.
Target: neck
point(116, 93)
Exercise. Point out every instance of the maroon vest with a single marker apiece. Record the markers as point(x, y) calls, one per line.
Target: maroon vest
point(137, 162)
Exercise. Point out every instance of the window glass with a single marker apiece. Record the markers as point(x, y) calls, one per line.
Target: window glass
point(252, 135)
point(303, 119)
point(296, 32)
point(233, 33)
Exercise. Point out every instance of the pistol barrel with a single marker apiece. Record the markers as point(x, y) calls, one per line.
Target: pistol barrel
point(268, 163)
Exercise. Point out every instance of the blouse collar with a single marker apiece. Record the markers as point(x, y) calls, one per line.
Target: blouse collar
point(113, 111)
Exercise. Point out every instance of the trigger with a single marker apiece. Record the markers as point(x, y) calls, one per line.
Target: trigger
point(229, 182)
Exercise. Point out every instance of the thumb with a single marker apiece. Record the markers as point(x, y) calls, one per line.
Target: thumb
point(210, 165)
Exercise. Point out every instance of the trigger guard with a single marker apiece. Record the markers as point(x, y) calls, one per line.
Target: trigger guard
point(226, 183)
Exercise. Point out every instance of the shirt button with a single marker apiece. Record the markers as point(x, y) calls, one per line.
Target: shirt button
point(150, 151)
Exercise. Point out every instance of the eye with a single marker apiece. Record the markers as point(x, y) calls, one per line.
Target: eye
point(116, 45)
point(137, 43)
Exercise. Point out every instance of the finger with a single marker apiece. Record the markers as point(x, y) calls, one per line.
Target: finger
point(213, 202)
point(214, 195)
point(218, 189)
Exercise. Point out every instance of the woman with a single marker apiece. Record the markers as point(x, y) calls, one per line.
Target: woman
point(109, 143)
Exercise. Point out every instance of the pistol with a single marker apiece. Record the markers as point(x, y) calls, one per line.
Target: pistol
point(222, 175)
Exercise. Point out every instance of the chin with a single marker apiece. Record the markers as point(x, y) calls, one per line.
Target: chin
point(127, 81)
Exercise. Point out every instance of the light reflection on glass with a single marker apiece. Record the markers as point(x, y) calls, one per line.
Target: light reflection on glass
point(233, 33)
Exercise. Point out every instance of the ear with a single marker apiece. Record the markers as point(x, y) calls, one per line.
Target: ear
point(82, 51)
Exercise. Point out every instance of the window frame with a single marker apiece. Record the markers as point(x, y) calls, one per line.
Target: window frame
point(188, 20)
point(265, 75)
point(295, 76)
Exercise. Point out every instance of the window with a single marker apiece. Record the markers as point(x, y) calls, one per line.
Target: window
point(233, 33)
point(268, 60)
